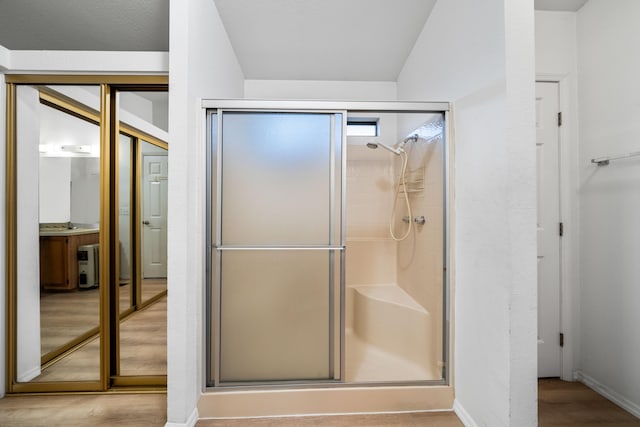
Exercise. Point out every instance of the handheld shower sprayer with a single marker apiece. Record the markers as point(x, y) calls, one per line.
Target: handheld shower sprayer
point(402, 184)
point(397, 149)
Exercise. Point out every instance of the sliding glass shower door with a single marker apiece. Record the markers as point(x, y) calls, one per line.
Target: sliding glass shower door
point(277, 246)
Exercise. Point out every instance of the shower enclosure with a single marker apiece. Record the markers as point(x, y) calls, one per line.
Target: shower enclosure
point(327, 260)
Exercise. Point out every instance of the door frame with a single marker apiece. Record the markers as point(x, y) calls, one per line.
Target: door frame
point(568, 185)
point(109, 263)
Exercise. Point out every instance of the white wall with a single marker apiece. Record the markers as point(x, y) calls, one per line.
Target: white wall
point(608, 37)
point(5, 58)
point(480, 55)
point(99, 62)
point(556, 61)
point(124, 206)
point(321, 90)
point(202, 65)
point(462, 42)
point(161, 114)
point(522, 211)
point(90, 96)
point(67, 191)
point(142, 107)
point(28, 245)
point(555, 43)
point(3, 236)
point(54, 174)
point(85, 193)
point(155, 112)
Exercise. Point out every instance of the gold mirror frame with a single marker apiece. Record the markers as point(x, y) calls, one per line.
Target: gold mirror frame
point(108, 236)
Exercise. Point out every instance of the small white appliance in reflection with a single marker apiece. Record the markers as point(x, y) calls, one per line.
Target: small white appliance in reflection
point(88, 266)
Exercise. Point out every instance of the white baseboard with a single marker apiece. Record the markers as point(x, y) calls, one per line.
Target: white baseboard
point(191, 421)
point(608, 393)
point(25, 377)
point(463, 414)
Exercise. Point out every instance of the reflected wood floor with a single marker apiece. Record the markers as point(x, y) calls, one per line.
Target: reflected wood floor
point(560, 404)
point(66, 315)
point(143, 341)
point(143, 349)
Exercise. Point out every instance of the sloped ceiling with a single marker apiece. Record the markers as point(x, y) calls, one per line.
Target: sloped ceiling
point(323, 39)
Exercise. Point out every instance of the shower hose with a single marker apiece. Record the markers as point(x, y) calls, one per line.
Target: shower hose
point(401, 182)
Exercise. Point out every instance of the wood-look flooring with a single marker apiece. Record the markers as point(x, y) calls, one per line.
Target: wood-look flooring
point(67, 315)
point(563, 404)
point(560, 404)
point(82, 410)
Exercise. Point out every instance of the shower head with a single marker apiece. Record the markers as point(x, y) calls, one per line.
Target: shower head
point(374, 145)
point(412, 138)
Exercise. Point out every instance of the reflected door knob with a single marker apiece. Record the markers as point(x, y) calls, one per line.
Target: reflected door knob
point(146, 222)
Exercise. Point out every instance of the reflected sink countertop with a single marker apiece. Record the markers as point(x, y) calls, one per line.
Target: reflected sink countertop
point(64, 229)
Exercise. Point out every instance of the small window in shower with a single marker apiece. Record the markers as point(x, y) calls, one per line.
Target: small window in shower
point(362, 127)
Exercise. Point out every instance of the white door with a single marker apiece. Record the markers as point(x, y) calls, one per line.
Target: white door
point(154, 216)
point(547, 145)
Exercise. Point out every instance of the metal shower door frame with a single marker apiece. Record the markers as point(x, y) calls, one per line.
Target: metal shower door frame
point(215, 248)
point(212, 310)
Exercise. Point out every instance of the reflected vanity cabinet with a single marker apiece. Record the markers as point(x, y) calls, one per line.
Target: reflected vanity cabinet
point(59, 260)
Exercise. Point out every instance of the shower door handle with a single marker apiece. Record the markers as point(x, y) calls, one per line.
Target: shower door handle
point(278, 248)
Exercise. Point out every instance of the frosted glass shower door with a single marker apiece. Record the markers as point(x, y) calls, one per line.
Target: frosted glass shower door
point(278, 245)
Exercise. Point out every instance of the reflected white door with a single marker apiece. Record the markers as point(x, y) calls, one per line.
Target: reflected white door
point(154, 216)
point(547, 145)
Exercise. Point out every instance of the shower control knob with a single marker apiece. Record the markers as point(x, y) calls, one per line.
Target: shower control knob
point(420, 220)
point(406, 219)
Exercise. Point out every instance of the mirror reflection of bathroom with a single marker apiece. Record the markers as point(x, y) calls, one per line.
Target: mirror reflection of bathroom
point(142, 218)
point(143, 169)
point(153, 187)
point(58, 197)
point(395, 247)
point(58, 175)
